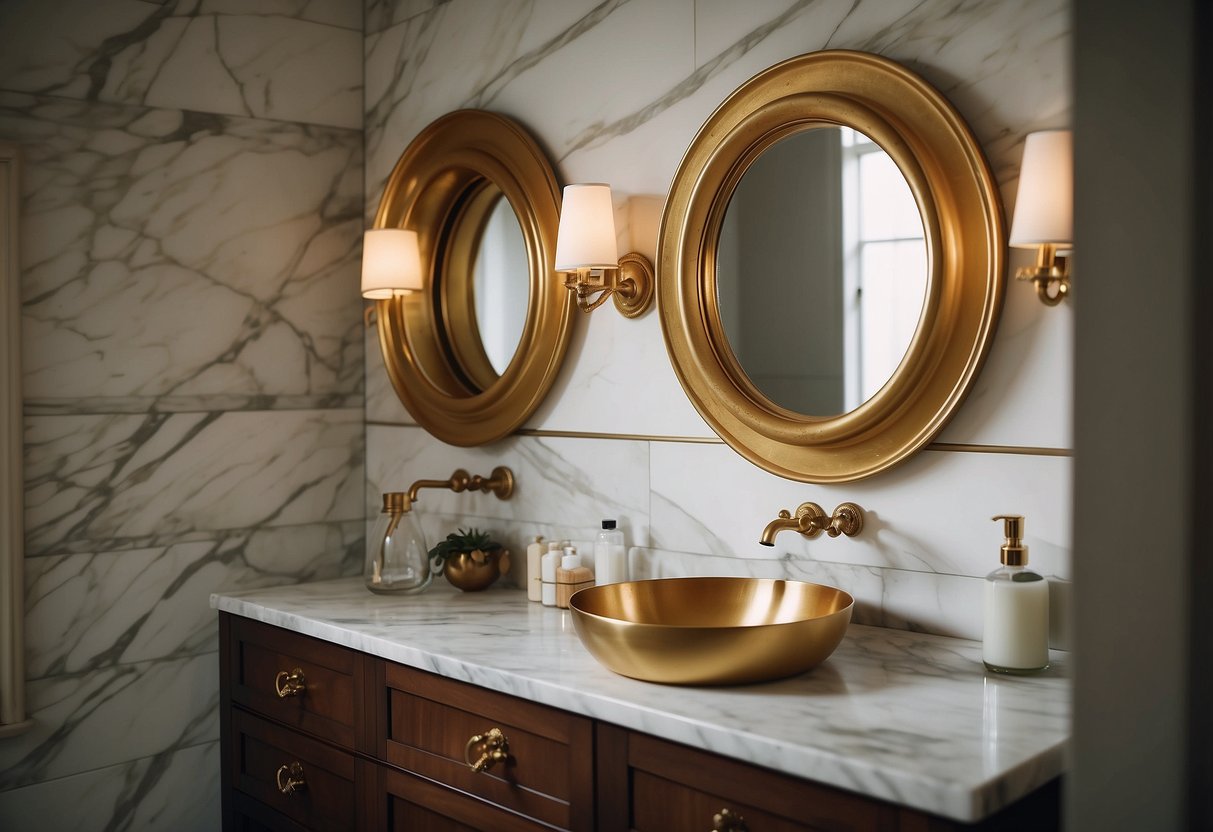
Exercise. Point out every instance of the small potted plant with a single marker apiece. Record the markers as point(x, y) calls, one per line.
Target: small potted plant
point(471, 559)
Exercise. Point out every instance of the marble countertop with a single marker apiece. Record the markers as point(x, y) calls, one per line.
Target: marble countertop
point(909, 718)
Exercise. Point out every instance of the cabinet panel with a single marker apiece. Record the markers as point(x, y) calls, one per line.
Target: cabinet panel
point(310, 782)
point(547, 770)
point(649, 784)
point(319, 699)
point(411, 804)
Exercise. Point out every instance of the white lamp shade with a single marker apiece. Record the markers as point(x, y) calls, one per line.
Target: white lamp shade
point(391, 263)
point(586, 237)
point(1044, 207)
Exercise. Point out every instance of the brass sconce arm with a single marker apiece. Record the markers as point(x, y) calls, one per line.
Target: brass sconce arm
point(499, 482)
point(1050, 270)
point(811, 520)
point(631, 284)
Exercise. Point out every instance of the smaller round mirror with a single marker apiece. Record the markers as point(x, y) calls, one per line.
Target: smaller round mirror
point(821, 270)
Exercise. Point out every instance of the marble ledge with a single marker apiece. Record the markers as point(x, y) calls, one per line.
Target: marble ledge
point(903, 717)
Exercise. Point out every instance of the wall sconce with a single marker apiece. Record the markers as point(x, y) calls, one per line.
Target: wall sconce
point(587, 252)
point(391, 265)
point(1044, 211)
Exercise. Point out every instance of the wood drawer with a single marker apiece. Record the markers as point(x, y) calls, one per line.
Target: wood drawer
point(651, 785)
point(407, 803)
point(548, 775)
point(332, 680)
point(262, 754)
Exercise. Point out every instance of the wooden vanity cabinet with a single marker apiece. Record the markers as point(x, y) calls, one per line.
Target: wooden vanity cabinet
point(380, 746)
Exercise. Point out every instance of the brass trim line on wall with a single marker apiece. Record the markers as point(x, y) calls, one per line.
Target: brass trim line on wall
point(943, 447)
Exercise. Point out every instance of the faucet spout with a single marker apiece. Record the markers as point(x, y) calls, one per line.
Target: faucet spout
point(783, 522)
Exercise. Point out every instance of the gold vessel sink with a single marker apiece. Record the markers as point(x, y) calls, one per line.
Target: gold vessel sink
point(711, 631)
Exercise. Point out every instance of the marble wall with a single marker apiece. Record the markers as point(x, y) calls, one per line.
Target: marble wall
point(193, 365)
point(615, 91)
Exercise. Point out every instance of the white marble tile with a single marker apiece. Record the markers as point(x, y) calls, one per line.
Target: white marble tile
point(382, 403)
point(930, 515)
point(125, 712)
point(898, 716)
point(125, 481)
point(177, 790)
point(126, 208)
point(381, 14)
point(91, 610)
point(290, 60)
point(572, 483)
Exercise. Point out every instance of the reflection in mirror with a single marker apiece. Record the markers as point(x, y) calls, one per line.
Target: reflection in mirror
point(501, 285)
point(821, 270)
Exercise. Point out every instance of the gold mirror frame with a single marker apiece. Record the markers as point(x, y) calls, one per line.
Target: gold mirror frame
point(963, 226)
point(443, 188)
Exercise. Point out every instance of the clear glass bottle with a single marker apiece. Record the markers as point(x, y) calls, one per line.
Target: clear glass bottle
point(397, 560)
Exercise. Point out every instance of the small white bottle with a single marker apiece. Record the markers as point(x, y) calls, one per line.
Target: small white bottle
point(1016, 610)
point(547, 570)
point(534, 577)
point(610, 555)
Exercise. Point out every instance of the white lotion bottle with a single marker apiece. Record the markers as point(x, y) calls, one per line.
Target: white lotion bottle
point(610, 555)
point(534, 578)
point(547, 570)
point(1016, 610)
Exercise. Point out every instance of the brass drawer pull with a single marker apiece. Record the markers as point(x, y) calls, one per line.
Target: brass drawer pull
point(494, 748)
point(289, 683)
point(726, 821)
point(290, 778)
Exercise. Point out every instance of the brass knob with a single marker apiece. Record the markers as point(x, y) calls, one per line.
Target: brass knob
point(290, 778)
point(289, 683)
point(494, 748)
point(726, 821)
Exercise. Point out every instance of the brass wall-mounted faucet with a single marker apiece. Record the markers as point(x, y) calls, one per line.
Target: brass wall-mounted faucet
point(500, 482)
point(811, 520)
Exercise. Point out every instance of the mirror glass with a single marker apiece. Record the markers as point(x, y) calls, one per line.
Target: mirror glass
point(501, 284)
point(821, 270)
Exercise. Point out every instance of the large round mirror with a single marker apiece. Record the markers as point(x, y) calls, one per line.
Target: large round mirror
point(830, 267)
point(822, 243)
point(473, 353)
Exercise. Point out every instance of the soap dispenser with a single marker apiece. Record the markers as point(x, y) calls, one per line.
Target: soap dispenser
point(396, 556)
point(1016, 610)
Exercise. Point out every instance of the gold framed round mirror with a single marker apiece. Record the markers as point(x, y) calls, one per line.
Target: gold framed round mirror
point(476, 349)
point(796, 396)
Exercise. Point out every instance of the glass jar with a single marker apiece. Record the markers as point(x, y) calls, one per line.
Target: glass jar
point(396, 557)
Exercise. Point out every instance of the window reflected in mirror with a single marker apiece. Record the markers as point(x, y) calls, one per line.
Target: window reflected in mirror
point(821, 270)
point(501, 285)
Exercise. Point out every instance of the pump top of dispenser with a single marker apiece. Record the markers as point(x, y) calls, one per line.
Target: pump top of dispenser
point(1013, 552)
point(608, 524)
point(396, 502)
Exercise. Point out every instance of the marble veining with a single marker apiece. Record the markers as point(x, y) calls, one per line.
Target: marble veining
point(90, 610)
point(290, 60)
point(903, 717)
point(172, 790)
point(113, 198)
point(125, 481)
point(108, 716)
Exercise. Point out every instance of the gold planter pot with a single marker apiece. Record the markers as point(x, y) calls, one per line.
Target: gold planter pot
point(474, 571)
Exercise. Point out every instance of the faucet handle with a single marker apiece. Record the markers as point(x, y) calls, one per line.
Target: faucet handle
point(813, 520)
point(847, 519)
